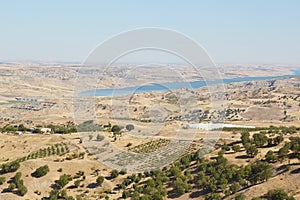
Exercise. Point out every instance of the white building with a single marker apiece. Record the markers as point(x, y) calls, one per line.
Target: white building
point(46, 130)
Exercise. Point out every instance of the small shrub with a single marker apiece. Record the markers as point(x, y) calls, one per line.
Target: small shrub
point(2, 180)
point(114, 173)
point(63, 180)
point(129, 127)
point(100, 180)
point(77, 183)
point(100, 137)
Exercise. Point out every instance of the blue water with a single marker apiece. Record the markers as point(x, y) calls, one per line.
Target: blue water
point(162, 87)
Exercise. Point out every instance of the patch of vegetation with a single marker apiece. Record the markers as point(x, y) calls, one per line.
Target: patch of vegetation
point(13, 128)
point(240, 196)
point(75, 155)
point(56, 149)
point(129, 127)
point(63, 129)
point(215, 178)
point(100, 137)
point(78, 174)
point(279, 194)
point(60, 129)
point(63, 180)
point(41, 171)
point(271, 157)
point(16, 185)
point(88, 126)
point(236, 148)
point(251, 150)
point(114, 173)
point(271, 129)
point(2, 180)
point(116, 129)
point(151, 146)
point(10, 167)
point(99, 180)
point(56, 194)
point(129, 144)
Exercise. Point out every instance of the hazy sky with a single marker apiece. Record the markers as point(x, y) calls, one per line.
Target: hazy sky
point(253, 31)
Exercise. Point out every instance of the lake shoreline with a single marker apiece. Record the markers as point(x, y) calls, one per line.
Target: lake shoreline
point(163, 87)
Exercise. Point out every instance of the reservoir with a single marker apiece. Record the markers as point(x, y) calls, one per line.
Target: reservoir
point(162, 87)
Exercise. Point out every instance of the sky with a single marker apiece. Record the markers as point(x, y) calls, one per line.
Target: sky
point(231, 31)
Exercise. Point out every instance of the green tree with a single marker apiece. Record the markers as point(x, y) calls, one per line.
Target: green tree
point(185, 160)
point(90, 137)
point(251, 150)
point(56, 194)
point(114, 173)
point(129, 127)
point(99, 180)
point(234, 188)
point(21, 127)
point(279, 194)
point(240, 196)
point(221, 160)
point(63, 180)
point(226, 147)
point(213, 196)
point(135, 196)
point(10, 167)
point(277, 140)
point(209, 184)
point(100, 137)
point(125, 194)
point(260, 171)
point(260, 139)
point(115, 129)
point(37, 130)
point(17, 177)
point(283, 152)
point(271, 157)
point(236, 148)
point(22, 190)
point(245, 137)
point(180, 186)
point(41, 171)
point(12, 186)
point(77, 183)
point(175, 171)
point(270, 142)
point(150, 183)
point(295, 146)
point(156, 196)
point(17, 183)
point(2, 180)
